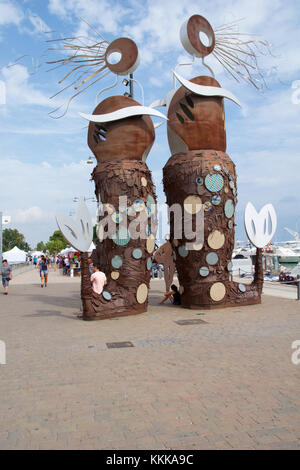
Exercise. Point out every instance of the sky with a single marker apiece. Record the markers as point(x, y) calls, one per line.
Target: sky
point(43, 160)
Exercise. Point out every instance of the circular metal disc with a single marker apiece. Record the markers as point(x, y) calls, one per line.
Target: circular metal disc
point(204, 271)
point(117, 262)
point(150, 244)
point(214, 182)
point(212, 259)
point(106, 295)
point(137, 253)
point(183, 251)
point(229, 208)
point(115, 275)
point(192, 204)
point(217, 291)
point(216, 240)
point(142, 293)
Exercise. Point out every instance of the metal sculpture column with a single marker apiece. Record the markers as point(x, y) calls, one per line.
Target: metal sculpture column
point(121, 134)
point(201, 176)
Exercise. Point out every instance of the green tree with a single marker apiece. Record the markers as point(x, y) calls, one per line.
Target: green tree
point(58, 236)
point(12, 238)
point(55, 246)
point(41, 246)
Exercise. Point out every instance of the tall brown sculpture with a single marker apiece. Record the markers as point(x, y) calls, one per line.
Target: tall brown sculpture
point(201, 176)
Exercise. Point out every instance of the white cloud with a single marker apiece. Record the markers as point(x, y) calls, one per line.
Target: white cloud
point(10, 13)
point(33, 193)
point(19, 90)
point(30, 216)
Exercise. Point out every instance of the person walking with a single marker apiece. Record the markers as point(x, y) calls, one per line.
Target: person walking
point(6, 275)
point(44, 268)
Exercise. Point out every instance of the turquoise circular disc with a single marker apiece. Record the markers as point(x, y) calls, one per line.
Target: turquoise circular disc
point(117, 262)
point(229, 208)
point(183, 251)
point(229, 267)
point(230, 224)
point(204, 272)
point(216, 200)
point(214, 183)
point(217, 167)
point(212, 258)
point(121, 237)
point(149, 263)
point(150, 200)
point(137, 253)
point(106, 295)
point(242, 287)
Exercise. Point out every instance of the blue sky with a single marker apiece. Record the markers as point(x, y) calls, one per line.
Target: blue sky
point(43, 160)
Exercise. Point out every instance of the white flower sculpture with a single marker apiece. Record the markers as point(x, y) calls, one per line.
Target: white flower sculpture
point(260, 228)
point(79, 232)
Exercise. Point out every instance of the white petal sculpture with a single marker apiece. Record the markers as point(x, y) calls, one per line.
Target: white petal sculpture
point(206, 90)
point(79, 232)
point(260, 228)
point(123, 113)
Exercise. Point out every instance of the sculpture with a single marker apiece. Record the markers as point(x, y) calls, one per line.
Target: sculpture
point(201, 176)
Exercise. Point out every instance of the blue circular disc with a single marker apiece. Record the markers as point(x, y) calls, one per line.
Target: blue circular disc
point(230, 224)
point(212, 258)
point(204, 271)
point(229, 208)
point(106, 295)
point(214, 182)
point(137, 253)
point(231, 184)
point(242, 287)
point(121, 237)
point(216, 200)
point(183, 251)
point(149, 263)
point(199, 181)
point(116, 262)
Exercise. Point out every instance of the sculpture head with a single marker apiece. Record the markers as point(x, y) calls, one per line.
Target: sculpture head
point(195, 121)
point(129, 138)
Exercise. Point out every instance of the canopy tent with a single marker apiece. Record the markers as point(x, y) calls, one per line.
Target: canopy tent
point(66, 251)
point(15, 256)
point(37, 253)
point(91, 248)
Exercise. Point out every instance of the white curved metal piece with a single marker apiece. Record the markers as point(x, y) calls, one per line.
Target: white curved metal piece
point(206, 90)
point(158, 103)
point(123, 113)
point(79, 232)
point(184, 38)
point(257, 226)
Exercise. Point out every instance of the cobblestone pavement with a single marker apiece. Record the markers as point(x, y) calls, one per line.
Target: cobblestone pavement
point(228, 383)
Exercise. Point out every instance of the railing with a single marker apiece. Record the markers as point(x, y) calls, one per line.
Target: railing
point(20, 268)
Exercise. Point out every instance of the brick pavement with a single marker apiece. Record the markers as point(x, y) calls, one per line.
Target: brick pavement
point(225, 384)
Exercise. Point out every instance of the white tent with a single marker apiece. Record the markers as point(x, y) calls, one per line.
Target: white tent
point(91, 248)
point(66, 251)
point(37, 253)
point(15, 256)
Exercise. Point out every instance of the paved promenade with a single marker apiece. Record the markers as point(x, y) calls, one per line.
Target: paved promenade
point(227, 382)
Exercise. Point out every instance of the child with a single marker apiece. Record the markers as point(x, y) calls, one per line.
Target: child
point(173, 296)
